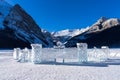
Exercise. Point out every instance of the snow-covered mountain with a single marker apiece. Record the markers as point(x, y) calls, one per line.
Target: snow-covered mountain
point(64, 35)
point(69, 32)
point(105, 32)
point(18, 29)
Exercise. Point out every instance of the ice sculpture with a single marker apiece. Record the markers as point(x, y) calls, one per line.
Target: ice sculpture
point(24, 55)
point(16, 53)
point(99, 55)
point(94, 55)
point(60, 45)
point(36, 53)
point(82, 52)
point(106, 52)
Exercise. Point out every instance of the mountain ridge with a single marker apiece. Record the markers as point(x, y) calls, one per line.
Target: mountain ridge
point(100, 34)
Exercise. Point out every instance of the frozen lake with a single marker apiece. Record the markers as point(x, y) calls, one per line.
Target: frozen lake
point(10, 69)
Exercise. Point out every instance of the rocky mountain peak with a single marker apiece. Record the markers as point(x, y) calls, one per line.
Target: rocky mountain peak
point(101, 20)
point(104, 23)
point(20, 29)
point(111, 23)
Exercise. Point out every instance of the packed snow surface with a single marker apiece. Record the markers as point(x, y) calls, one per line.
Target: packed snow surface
point(12, 70)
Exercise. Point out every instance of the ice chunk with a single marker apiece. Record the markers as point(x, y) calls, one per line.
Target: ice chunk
point(24, 55)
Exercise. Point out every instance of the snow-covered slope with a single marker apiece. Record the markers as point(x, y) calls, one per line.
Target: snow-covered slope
point(4, 10)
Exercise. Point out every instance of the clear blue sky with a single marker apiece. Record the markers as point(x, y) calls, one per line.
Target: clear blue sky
point(55, 15)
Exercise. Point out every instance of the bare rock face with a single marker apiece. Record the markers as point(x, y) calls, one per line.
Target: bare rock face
point(98, 25)
point(111, 23)
point(20, 30)
point(104, 23)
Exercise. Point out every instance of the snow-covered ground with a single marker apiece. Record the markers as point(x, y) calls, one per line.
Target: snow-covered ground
point(10, 69)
